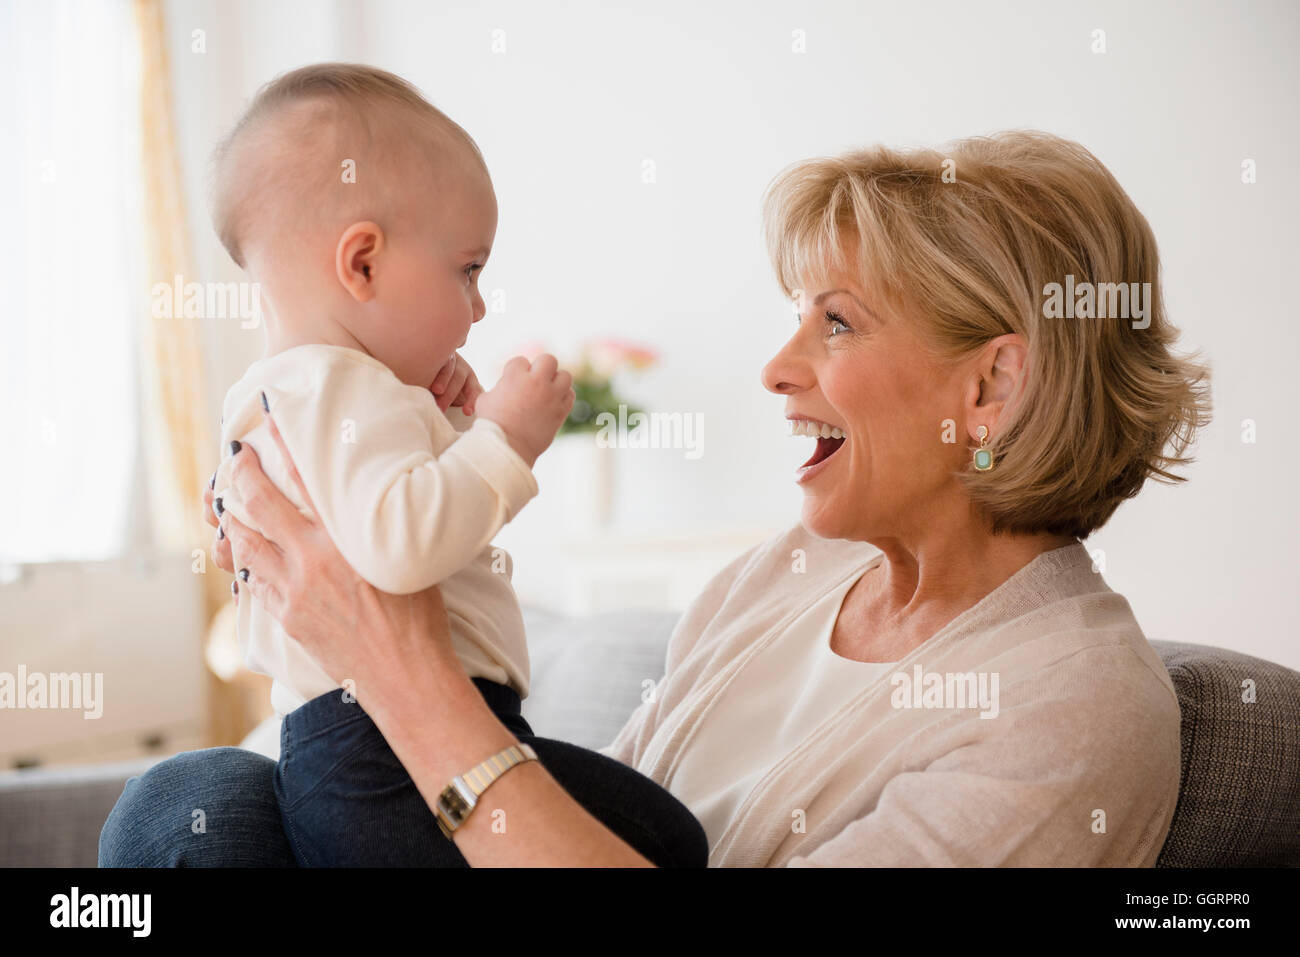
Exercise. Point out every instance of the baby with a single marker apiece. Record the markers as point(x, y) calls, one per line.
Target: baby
point(365, 215)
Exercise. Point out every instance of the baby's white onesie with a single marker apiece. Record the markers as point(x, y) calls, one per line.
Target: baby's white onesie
point(411, 496)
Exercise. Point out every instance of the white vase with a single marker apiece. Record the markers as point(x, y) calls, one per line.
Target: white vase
point(588, 476)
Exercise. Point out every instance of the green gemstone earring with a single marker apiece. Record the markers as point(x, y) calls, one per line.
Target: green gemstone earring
point(983, 456)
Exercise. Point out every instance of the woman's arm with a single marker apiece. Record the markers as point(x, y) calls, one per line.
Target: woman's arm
point(439, 726)
point(396, 652)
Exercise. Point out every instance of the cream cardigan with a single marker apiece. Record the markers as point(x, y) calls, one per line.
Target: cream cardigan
point(1080, 766)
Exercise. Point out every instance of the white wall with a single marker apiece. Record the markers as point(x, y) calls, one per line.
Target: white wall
point(714, 95)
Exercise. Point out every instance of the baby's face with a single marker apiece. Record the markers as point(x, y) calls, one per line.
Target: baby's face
point(430, 291)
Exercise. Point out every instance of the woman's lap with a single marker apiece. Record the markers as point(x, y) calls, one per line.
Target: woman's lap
point(646, 816)
point(210, 808)
point(218, 808)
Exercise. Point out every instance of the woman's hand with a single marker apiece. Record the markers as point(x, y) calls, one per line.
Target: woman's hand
point(220, 544)
point(365, 639)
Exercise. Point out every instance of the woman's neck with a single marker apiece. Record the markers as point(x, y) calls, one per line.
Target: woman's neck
point(915, 591)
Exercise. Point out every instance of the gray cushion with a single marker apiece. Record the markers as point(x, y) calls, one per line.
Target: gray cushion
point(1239, 798)
point(587, 672)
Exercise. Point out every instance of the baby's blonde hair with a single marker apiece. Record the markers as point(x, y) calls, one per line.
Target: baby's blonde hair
point(964, 241)
point(283, 161)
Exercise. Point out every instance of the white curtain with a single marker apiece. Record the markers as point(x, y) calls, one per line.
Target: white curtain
point(72, 269)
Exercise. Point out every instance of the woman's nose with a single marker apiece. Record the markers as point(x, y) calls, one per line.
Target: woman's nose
point(785, 373)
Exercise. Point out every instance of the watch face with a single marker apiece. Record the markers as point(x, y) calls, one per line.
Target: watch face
point(451, 803)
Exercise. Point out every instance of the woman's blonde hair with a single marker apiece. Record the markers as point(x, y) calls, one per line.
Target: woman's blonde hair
point(966, 241)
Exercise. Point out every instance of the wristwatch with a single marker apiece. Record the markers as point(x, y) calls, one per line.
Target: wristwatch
point(459, 797)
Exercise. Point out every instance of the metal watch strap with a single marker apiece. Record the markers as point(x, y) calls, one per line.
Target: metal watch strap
point(459, 797)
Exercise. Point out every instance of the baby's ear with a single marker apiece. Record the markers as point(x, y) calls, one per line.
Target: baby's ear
point(354, 259)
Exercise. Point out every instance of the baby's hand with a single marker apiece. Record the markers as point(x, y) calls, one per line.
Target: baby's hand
point(529, 403)
point(456, 384)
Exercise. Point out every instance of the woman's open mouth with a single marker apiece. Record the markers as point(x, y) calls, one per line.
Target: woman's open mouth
point(829, 440)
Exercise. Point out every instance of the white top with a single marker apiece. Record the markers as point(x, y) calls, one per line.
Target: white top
point(411, 496)
point(779, 699)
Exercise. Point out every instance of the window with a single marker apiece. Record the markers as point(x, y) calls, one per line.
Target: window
point(72, 277)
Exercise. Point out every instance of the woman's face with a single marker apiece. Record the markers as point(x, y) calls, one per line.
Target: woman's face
point(855, 365)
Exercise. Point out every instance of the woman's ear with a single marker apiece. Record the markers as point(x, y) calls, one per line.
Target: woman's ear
point(355, 259)
point(996, 377)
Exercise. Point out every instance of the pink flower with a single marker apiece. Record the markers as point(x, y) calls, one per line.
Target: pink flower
point(609, 356)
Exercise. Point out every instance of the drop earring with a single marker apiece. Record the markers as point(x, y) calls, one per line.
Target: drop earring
point(983, 456)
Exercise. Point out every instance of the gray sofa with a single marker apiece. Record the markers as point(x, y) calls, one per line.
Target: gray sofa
point(1239, 802)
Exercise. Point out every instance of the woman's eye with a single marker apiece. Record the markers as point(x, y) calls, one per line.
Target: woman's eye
point(835, 320)
point(471, 269)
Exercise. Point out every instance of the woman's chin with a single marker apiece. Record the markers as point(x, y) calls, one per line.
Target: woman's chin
point(821, 519)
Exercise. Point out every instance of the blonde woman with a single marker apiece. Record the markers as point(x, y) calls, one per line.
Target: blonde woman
point(926, 670)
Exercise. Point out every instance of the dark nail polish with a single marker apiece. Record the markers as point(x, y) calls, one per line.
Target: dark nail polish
point(235, 447)
point(216, 504)
point(212, 482)
point(221, 533)
point(234, 589)
point(265, 406)
point(243, 574)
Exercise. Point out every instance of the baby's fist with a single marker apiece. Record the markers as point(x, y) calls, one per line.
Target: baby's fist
point(530, 403)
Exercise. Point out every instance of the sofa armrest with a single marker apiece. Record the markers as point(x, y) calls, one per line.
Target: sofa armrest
point(51, 817)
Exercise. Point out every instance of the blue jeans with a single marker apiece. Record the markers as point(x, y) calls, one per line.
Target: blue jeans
point(338, 797)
